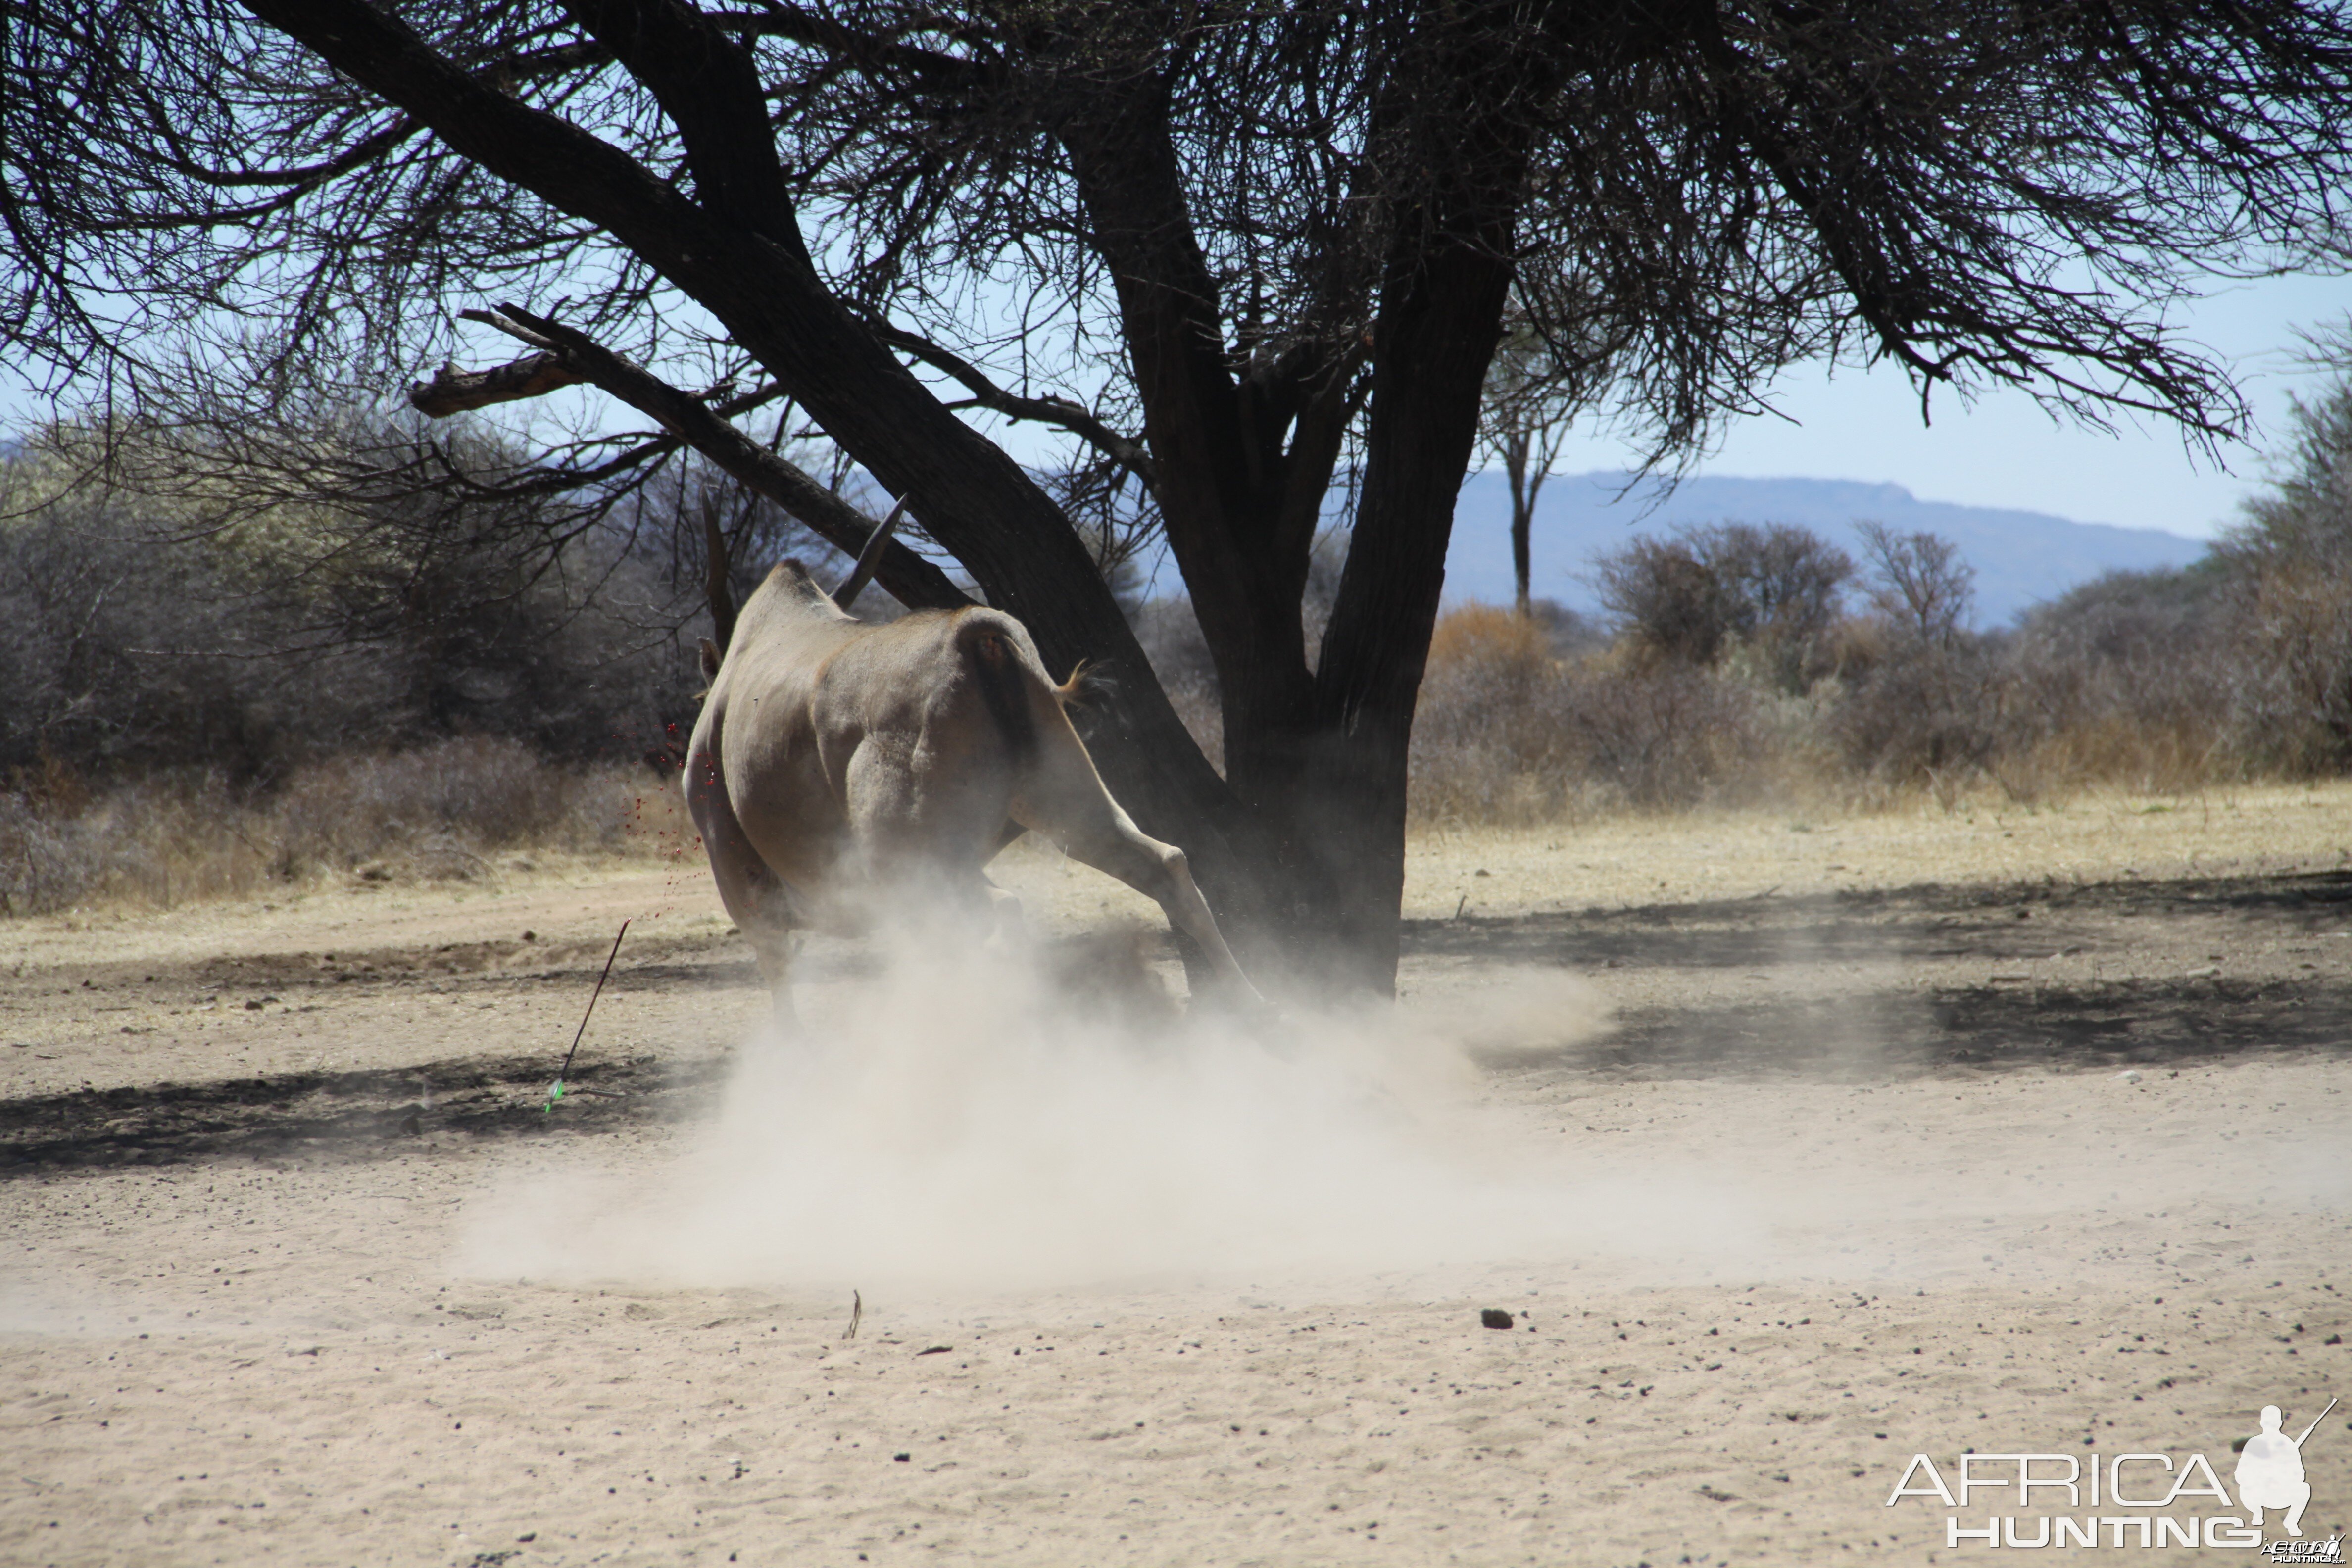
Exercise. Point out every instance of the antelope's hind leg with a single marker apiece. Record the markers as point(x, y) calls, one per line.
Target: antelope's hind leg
point(1104, 838)
point(755, 898)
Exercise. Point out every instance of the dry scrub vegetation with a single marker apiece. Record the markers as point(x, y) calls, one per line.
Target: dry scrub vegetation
point(1745, 665)
point(1737, 675)
point(223, 683)
point(436, 812)
point(2103, 690)
point(208, 704)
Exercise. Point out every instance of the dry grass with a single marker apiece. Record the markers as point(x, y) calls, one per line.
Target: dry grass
point(2178, 757)
point(2096, 834)
point(437, 814)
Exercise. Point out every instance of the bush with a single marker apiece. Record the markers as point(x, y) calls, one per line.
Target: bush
point(1674, 606)
point(2292, 560)
point(1507, 732)
point(2135, 678)
point(1918, 583)
point(1922, 712)
point(1489, 743)
point(1920, 698)
point(1672, 738)
point(139, 634)
point(2299, 632)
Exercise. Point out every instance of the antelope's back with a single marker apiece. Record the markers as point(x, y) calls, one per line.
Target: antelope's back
point(910, 735)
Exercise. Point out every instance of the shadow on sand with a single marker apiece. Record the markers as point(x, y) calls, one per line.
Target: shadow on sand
point(341, 1116)
point(2143, 1022)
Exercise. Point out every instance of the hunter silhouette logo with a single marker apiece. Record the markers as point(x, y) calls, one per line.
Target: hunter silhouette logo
point(2270, 1471)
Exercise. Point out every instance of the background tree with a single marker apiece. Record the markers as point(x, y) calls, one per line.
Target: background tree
point(2291, 563)
point(1926, 698)
point(1527, 418)
point(1294, 227)
point(1669, 600)
point(1771, 590)
point(1918, 583)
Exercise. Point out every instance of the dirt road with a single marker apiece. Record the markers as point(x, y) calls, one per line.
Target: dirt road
point(1881, 1138)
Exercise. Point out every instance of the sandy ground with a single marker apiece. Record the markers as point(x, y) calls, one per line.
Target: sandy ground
point(1794, 1148)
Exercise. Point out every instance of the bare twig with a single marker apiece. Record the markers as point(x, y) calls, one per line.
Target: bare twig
point(555, 1090)
point(1124, 450)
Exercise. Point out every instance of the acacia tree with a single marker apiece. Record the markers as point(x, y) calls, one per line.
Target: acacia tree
point(1234, 248)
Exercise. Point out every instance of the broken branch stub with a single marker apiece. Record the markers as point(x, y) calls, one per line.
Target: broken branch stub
point(453, 391)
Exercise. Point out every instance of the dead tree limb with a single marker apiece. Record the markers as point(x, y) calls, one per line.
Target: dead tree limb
point(908, 577)
point(453, 391)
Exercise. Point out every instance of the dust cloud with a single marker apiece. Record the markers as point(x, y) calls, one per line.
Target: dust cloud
point(967, 1116)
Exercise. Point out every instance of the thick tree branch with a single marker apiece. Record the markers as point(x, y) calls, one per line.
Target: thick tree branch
point(1316, 441)
point(914, 582)
point(1219, 494)
point(706, 84)
point(453, 391)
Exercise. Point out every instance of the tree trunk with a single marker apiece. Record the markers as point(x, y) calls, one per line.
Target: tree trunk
point(1523, 511)
point(1345, 814)
point(1329, 783)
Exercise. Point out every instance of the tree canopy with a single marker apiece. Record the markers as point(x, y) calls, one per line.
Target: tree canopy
point(1235, 251)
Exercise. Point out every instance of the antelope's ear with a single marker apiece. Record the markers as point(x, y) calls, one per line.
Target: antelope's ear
point(709, 659)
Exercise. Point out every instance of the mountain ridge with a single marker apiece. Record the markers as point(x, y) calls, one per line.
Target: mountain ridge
point(2022, 558)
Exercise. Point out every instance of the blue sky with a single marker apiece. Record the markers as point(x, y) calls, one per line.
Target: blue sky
point(2006, 452)
point(2003, 451)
